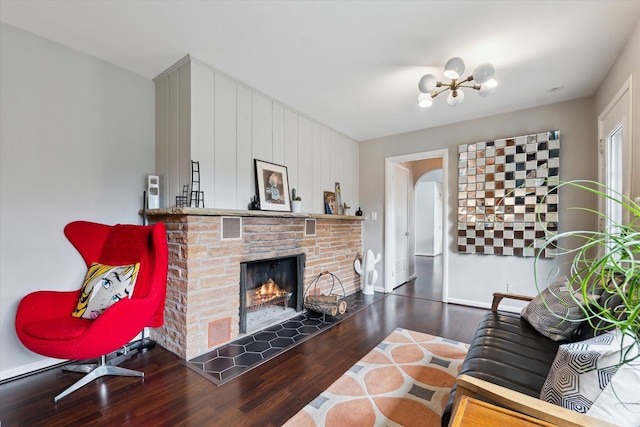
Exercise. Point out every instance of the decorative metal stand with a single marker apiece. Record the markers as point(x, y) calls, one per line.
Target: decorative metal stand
point(197, 196)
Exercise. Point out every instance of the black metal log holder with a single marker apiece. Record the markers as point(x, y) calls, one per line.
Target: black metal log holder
point(331, 304)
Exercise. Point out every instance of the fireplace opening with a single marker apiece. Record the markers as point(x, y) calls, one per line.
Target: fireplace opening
point(271, 291)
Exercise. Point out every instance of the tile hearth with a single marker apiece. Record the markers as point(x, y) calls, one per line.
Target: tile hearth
point(231, 360)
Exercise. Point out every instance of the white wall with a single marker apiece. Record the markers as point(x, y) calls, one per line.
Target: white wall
point(424, 192)
point(207, 116)
point(627, 64)
point(473, 278)
point(428, 217)
point(76, 142)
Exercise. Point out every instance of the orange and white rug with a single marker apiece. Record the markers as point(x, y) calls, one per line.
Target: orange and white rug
point(404, 381)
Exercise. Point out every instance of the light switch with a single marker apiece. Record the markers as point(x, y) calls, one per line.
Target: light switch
point(374, 216)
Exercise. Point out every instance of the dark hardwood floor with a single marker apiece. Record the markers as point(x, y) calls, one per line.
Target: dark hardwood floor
point(428, 281)
point(174, 395)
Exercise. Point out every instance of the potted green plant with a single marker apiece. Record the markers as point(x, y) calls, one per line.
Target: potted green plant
point(604, 262)
point(296, 201)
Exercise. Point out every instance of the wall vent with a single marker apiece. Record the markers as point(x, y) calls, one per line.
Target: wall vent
point(309, 227)
point(401, 265)
point(219, 332)
point(231, 228)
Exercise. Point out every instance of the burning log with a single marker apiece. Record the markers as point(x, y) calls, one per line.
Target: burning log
point(268, 294)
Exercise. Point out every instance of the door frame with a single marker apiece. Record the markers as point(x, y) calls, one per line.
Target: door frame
point(628, 149)
point(388, 220)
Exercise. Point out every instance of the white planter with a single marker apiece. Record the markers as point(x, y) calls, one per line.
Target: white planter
point(296, 205)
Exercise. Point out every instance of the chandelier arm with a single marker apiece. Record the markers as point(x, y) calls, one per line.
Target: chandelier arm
point(436, 93)
point(476, 87)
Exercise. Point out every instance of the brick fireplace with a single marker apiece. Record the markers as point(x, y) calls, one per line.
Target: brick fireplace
point(206, 249)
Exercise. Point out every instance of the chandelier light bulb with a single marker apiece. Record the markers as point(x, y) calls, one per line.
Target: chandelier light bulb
point(424, 100)
point(427, 83)
point(483, 73)
point(455, 97)
point(492, 83)
point(451, 100)
point(486, 89)
point(454, 68)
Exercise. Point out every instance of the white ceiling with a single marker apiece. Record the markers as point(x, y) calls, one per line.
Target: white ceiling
point(353, 65)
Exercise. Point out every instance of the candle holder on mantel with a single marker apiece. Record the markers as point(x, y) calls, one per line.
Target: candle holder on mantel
point(255, 204)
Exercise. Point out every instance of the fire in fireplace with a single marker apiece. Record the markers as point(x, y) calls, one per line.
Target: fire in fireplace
point(269, 290)
point(266, 295)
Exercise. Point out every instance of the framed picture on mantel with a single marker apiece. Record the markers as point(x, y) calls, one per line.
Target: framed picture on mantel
point(272, 186)
point(330, 203)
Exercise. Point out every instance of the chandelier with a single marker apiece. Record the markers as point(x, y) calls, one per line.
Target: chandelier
point(481, 80)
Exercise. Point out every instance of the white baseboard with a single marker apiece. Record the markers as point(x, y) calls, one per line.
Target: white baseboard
point(26, 369)
point(44, 363)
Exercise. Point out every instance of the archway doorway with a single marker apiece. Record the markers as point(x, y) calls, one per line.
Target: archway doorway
point(429, 212)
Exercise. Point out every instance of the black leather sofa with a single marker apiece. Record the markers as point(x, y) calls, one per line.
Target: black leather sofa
point(508, 352)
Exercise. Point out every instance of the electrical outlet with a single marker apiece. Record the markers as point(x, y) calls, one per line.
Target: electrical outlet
point(511, 288)
point(374, 216)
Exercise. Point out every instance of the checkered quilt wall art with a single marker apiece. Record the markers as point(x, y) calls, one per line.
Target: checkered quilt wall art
point(507, 204)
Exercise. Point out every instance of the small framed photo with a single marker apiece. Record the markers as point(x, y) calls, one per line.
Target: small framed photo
point(272, 186)
point(330, 206)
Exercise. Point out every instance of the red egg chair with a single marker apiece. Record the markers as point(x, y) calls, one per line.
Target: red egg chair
point(44, 321)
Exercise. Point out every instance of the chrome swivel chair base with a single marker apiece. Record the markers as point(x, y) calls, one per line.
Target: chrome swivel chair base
point(104, 367)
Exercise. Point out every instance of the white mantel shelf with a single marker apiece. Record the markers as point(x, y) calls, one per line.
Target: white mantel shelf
point(245, 213)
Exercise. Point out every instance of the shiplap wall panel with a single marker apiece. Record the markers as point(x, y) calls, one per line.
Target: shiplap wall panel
point(278, 134)
point(246, 185)
point(184, 125)
point(208, 116)
point(327, 160)
point(202, 128)
point(291, 148)
point(336, 160)
point(262, 128)
point(162, 139)
point(305, 164)
point(349, 154)
point(318, 172)
point(174, 136)
point(225, 170)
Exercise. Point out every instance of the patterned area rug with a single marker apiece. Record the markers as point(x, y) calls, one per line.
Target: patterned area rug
point(404, 381)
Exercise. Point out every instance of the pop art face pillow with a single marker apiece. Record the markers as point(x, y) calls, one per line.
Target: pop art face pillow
point(105, 285)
